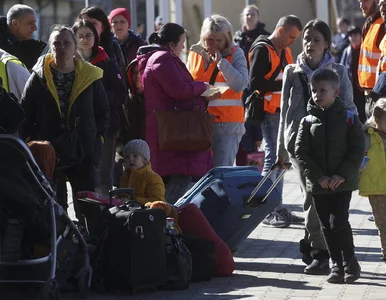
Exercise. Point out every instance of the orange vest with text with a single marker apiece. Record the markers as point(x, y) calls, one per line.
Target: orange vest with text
point(229, 107)
point(272, 99)
point(369, 56)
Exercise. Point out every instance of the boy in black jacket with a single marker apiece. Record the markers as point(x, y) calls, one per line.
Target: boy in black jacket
point(330, 148)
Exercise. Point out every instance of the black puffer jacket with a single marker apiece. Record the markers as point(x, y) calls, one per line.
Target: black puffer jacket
point(89, 105)
point(328, 145)
point(26, 51)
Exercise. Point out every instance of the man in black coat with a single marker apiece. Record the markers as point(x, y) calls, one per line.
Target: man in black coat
point(16, 30)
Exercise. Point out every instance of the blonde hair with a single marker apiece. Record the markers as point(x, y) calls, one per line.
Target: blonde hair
point(379, 112)
point(252, 6)
point(216, 24)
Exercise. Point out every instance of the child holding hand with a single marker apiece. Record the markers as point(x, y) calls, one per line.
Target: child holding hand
point(330, 149)
point(373, 177)
point(139, 175)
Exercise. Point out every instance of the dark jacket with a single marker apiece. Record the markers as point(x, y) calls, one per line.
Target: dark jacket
point(339, 43)
point(244, 38)
point(328, 145)
point(130, 46)
point(114, 87)
point(136, 109)
point(350, 59)
point(26, 51)
point(260, 65)
point(114, 51)
point(88, 104)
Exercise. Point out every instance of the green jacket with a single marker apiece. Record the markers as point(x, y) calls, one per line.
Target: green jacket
point(372, 180)
point(327, 145)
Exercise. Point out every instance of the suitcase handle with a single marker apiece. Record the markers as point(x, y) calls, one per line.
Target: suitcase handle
point(261, 200)
point(129, 191)
point(132, 204)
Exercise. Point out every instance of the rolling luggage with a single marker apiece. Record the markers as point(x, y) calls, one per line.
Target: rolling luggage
point(132, 254)
point(234, 200)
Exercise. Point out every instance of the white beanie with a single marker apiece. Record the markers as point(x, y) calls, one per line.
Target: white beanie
point(139, 147)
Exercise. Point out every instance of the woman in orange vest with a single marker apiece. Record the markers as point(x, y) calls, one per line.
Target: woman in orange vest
point(217, 60)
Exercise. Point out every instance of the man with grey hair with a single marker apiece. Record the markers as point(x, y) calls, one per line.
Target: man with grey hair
point(16, 30)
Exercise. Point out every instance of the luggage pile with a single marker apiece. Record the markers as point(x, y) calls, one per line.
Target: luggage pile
point(142, 248)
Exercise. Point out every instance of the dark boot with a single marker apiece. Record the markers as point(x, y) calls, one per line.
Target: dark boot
point(337, 273)
point(305, 250)
point(352, 270)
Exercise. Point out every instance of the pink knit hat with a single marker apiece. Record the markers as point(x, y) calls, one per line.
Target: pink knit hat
point(120, 11)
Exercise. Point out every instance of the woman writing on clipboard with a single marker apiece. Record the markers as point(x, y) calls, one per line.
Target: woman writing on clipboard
point(217, 60)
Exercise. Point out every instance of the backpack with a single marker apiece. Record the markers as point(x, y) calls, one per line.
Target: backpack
point(350, 117)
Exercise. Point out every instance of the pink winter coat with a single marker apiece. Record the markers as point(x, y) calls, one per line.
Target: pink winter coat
point(167, 81)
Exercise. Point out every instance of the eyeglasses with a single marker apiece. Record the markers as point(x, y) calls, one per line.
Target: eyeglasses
point(121, 22)
point(88, 36)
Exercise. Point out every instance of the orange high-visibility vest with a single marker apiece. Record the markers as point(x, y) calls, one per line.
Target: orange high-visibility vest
point(229, 107)
point(382, 60)
point(272, 99)
point(369, 56)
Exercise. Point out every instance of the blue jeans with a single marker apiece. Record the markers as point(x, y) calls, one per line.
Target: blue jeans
point(270, 128)
point(226, 140)
point(176, 186)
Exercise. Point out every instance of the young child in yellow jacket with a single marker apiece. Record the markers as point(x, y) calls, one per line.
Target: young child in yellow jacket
point(138, 174)
point(373, 177)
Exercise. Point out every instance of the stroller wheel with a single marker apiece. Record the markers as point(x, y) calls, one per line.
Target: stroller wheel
point(83, 282)
point(50, 290)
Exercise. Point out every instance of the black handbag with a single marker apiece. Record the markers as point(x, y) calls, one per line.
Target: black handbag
point(68, 148)
point(179, 264)
point(254, 103)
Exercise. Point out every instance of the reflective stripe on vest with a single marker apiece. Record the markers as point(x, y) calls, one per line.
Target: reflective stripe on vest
point(225, 102)
point(229, 107)
point(272, 99)
point(382, 60)
point(369, 56)
point(3, 69)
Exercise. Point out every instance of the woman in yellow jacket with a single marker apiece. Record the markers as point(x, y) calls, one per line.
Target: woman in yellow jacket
point(373, 177)
point(148, 185)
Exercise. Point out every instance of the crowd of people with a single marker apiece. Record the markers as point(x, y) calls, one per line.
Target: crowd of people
point(94, 95)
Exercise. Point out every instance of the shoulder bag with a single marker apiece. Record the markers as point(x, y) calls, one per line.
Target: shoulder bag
point(190, 130)
point(254, 104)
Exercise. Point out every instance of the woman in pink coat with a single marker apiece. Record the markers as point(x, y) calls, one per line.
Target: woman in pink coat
point(166, 82)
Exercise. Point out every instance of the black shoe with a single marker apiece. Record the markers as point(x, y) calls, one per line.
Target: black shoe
point(352, 270)
point(305, 249)
point(336, 274)
point(318, 267)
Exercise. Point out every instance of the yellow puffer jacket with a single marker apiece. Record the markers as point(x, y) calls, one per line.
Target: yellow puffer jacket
point(147, 184)
point(372, 179)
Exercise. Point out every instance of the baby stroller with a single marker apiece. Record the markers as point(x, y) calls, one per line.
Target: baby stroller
point(38, 241)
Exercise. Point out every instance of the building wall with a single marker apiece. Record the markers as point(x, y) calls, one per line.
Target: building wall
point(270, 12)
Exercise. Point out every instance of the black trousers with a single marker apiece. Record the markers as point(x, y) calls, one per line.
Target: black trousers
point(82, 177)
point(332, 210)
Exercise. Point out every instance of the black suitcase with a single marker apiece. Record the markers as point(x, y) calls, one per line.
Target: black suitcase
point(132, 254)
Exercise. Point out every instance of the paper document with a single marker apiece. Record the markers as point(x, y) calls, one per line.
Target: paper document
point(214, 90)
